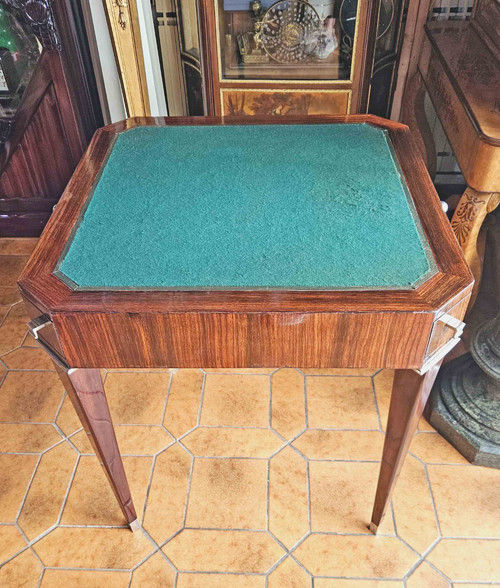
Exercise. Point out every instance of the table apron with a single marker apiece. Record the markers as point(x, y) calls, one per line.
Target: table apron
point(239, 340)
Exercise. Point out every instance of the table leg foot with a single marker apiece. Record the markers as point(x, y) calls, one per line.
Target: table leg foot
point(86, 391)
point(134, 526)
point(373, 528)
point(409, 395)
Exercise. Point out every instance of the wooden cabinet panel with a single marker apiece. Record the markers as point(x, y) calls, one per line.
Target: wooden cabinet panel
point(49, 129)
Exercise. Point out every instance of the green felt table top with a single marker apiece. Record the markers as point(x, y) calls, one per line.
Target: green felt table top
point(273, 206)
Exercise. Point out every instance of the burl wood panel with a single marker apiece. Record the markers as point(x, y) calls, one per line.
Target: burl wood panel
point(234, 340)
point(282, 102)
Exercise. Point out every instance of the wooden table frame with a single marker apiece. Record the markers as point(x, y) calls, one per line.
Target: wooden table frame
point(408, 330)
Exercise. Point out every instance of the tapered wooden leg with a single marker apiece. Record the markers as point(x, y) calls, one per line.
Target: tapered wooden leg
point(85, 389)
point(409, 395)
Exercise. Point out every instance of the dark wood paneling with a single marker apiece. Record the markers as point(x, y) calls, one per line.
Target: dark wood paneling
point(42, 162)
point(52, 127)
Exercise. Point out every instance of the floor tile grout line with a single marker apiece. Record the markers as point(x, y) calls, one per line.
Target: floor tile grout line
point(367, 533)
point(35, 554)
point(308, 484)
point(27, 370)
point(185, 448)
point(188, 491)
point(8, 313)
point(3, 377)
point(422, 556)
point(221, 573)
point(167, 396)
point(337, 375)
point(270, 422)
point(32, 477)
point(363, 578)
point(242, 457)
point(301, 565)
point(306, 407)
point(202, 395)
point(68, 489)
point(268, 495)
point(16, 554)
point(393, 515)
point(276, 564)
point(85, 569)
point(157, 549)
point(63, 398)
point(201, 426)
point(289, 442)
point(30, 423)
point(375, 399)
point(90, 526)
point(69, 437)
point(41, 577)
point(433, 502)
point(441, 573)
point(222, 373)
point(148, 490)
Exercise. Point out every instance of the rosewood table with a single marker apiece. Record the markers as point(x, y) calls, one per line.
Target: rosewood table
point(232, 243)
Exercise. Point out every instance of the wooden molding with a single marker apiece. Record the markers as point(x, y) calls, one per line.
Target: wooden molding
point(410, 51)
point(123, 23)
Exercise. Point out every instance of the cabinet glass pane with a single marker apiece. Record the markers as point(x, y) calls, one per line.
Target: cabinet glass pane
point(189, 27)
point(19, 53)
point(286, 40)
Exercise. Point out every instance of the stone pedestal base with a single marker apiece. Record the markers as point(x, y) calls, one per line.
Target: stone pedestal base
point(465, 409)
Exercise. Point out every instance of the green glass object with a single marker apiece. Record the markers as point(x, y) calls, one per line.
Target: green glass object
point(19, 53)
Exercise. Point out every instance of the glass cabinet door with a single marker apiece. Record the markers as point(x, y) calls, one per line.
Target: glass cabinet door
point(19, 53)
point(190, 55)
point(287, 39)
point(188, 17)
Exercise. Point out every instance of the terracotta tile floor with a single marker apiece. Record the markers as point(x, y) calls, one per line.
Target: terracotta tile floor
point(263, 478)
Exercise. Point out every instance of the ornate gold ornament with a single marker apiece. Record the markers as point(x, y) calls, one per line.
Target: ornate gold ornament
point(122, 15)
point(289, 31)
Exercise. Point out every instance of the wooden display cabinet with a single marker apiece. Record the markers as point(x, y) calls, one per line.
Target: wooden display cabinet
point(291, 57)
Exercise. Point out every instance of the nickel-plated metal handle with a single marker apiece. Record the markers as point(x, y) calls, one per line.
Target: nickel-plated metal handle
point(458, 327)
point(38, 323)
point(456, 324)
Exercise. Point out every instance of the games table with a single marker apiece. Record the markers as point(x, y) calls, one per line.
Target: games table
point(246, 242)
